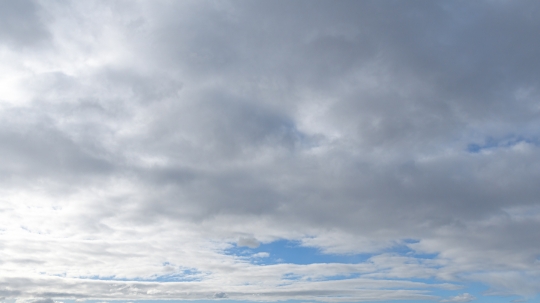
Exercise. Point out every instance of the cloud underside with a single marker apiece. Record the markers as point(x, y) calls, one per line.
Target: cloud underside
point(142, 141)
point(77, 289)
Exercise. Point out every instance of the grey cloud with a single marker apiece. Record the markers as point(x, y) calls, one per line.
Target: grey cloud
point(200, 291)
point(40, 150)
point(249, 242)
point(21, 24)
point(394, 128)
point(227, 126)
point(220, 295)
point(346, 126)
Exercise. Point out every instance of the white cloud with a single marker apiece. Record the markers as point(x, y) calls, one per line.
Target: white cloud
point(464, 297)
point(261, 255)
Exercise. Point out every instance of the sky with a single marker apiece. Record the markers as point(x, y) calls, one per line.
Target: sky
point(264, 151)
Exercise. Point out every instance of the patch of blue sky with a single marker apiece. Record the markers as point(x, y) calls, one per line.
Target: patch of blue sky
point(285, 251)
point(431, 283)
point(186, 275)
point(492, 143)
point(343, 277)
point(291, 277)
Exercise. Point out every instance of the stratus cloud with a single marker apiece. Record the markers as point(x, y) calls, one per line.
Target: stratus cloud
point(465, 297)
point(142, 140)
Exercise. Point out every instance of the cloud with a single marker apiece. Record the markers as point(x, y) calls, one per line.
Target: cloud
point(220, 295)
point(22, 25)
point(249, 242)
point(144, 142)
point(261, 255)
point(465, 297)
point(37, 300)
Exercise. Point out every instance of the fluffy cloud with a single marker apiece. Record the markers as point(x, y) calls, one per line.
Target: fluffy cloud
point(143, 141)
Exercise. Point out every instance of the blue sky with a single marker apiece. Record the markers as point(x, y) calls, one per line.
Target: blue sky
point(283, 251)
point(269, 151)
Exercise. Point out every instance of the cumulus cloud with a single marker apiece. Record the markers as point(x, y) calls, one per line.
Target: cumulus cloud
point(149, 142)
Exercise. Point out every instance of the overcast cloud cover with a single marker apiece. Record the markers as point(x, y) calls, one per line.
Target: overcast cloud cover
point(171, 149)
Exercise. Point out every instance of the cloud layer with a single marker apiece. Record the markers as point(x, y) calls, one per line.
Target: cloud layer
point(142, 140)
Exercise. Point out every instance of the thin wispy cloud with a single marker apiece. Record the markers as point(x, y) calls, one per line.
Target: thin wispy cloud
point(336, 151)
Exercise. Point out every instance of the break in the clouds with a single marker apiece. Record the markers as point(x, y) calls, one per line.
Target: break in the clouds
point(329, 151)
